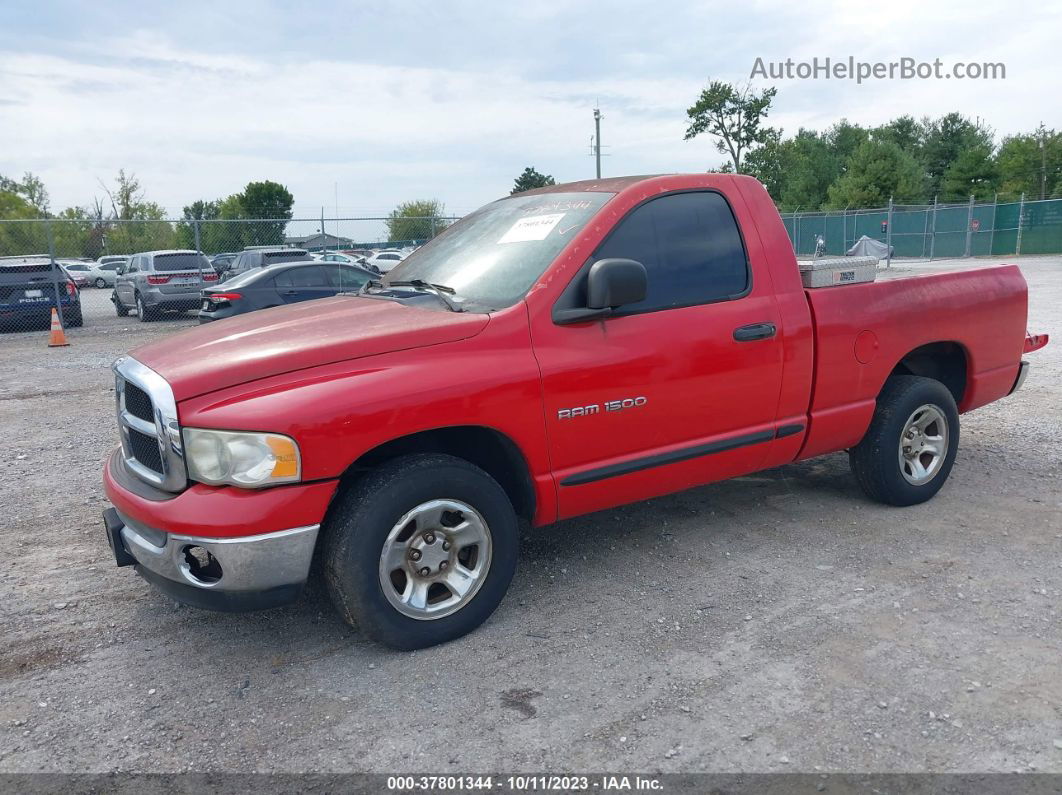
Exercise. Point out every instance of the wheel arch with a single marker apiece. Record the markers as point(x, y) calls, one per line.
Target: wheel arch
point(488, 448)
point(947, 362)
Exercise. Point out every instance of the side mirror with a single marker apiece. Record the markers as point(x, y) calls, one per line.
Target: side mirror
point(611, 283)
point(615, 282)
point(120, 270)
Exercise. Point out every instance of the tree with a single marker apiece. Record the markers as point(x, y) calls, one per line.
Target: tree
point(265, 200)
point(416, 220)
point(19, 238)
point(797, 172)
point(945, 139)
point(905, 132)
point(135, 224)
point(768, 163)
point(198, 211)
point(30, 190)
point(877, 171)
point(72, 234)
point(530, 180)
point(734, 115)
point(1026, 168)
point(12, 205)
point(973, 172)
point(843, 139)
point(811, 167)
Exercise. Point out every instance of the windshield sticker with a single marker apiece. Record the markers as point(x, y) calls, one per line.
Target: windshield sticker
point(535, 227)
point(554, 206)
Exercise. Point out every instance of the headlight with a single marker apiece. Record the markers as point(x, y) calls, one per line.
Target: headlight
point(241, 459)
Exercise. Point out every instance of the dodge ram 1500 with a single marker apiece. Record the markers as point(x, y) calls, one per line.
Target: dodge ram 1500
point(557, 352)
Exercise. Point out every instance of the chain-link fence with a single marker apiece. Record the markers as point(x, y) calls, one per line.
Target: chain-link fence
point(72, 265)
point(934, 231)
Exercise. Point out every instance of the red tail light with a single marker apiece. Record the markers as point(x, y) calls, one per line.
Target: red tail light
point(210, 277)
point(220, 298)
point(71, 289)
point(157, 279)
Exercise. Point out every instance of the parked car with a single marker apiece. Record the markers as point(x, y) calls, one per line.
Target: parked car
point(77, 271)
point(261, 256)
point(349, 259)
point(155, 281)
point(108, 258)
point(560, 351)
point(27, 293)
point(385, 259)
point(276, 285)
point(106, 273)
point(221, 262)
point(335, 256)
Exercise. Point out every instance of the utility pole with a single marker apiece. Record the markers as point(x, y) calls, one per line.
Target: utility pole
point(597, 140)
point(1043, 163)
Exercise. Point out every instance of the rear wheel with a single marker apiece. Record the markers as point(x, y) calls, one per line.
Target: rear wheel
point(908, 451)
point(144, 314)
point(420, 551)
point(74, 318)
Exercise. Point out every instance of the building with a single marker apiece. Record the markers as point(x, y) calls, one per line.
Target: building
point(319, 242)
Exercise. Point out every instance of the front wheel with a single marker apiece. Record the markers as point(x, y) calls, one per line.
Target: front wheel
point(908, 451)
point(101, 283)
point(119, 308)
point(421, 550)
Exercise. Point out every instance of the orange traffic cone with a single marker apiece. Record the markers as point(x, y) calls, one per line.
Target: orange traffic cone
point(58, 337)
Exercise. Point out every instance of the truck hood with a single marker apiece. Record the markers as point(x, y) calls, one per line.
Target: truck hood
point(279, 340)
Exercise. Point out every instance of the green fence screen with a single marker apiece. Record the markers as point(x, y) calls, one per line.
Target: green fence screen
point(935, 231)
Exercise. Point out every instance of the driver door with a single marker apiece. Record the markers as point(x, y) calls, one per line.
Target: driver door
point(663, 394)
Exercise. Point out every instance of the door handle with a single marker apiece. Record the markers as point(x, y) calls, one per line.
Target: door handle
point(291, 292)
point(754, 331)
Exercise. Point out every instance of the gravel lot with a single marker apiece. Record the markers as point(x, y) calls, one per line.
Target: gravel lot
point(775, 622)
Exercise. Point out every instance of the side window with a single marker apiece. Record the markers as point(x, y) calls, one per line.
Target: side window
point(134, 265)
point(691, 249)
point(302, 278)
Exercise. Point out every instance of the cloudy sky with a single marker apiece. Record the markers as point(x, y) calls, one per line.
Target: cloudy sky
point(376, 102)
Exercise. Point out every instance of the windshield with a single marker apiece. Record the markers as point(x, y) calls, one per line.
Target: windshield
point(493, 256)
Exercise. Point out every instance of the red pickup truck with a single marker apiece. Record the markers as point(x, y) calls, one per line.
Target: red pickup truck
point(557, 352)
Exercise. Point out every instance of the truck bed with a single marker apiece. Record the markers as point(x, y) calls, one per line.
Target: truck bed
point(863, 330)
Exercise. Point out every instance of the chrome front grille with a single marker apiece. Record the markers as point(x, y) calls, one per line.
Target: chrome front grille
point(147, 423)
point(138, 402)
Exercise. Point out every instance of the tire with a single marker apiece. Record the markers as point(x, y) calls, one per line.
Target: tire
point(372, 514)
point(120, 309)
point(100, 283)
point(143, 313)
point(891, 473)
point(75, 320)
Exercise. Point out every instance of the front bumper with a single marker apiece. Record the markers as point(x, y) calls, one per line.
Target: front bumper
point(230, 574)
